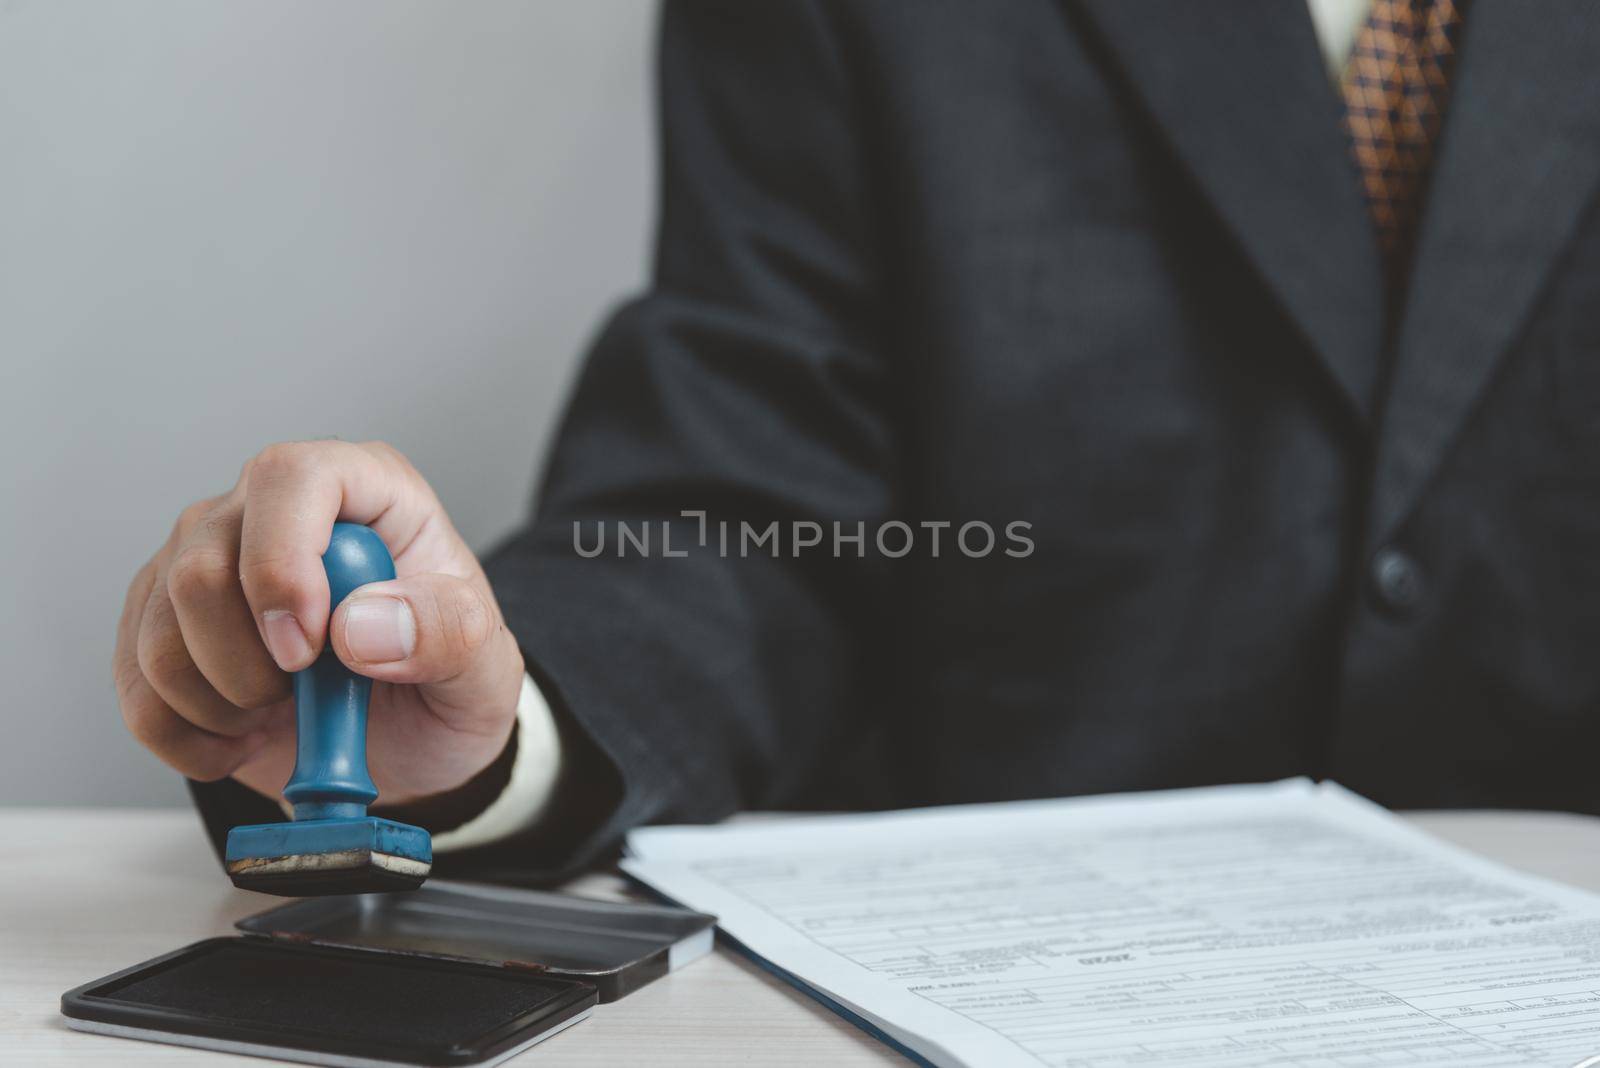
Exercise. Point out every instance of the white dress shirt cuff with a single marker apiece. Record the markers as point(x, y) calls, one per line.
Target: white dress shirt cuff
point(533, 778)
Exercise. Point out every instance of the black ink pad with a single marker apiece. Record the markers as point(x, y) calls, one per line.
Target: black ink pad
point(326, 1005)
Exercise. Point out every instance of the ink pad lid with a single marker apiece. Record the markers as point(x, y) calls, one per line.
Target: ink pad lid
point(615, 947)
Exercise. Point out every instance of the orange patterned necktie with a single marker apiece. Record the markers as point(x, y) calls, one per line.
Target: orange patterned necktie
point(1395, 87)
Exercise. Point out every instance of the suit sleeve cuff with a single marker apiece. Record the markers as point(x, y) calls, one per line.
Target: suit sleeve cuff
point(526, 796)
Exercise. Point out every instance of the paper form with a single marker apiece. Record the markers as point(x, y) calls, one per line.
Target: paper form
point(1290, 924)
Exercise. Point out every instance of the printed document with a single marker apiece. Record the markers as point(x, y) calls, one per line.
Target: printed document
point(1291, 924)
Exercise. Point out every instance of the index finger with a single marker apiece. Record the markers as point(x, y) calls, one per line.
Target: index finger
point(294, 493)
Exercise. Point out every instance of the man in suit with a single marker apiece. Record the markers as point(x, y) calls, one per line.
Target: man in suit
point(1272, 330)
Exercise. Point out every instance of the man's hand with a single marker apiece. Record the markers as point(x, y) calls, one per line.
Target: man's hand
point(237, 597)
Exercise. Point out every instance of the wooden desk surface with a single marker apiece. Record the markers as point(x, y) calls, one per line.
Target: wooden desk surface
point(73, 908)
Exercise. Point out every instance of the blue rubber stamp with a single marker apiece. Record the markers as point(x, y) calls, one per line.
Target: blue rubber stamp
point(332, 846)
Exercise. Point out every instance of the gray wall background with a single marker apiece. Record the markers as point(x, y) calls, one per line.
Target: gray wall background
point(226, 224)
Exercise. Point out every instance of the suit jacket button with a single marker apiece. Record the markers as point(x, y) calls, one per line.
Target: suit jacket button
point(1396, 580)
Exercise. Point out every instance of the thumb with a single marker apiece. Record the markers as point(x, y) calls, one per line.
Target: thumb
point(431, 629)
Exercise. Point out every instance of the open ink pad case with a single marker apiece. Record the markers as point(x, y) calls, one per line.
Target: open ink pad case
point(446, 974)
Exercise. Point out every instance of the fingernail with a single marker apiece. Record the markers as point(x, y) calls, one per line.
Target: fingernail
point(379, 630)
point(285, 640)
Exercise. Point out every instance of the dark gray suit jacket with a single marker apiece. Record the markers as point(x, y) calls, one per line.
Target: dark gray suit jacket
point(1100, 266)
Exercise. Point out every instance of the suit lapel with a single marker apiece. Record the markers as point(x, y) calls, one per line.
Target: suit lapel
point(1245, 102)
point(1518, 160)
